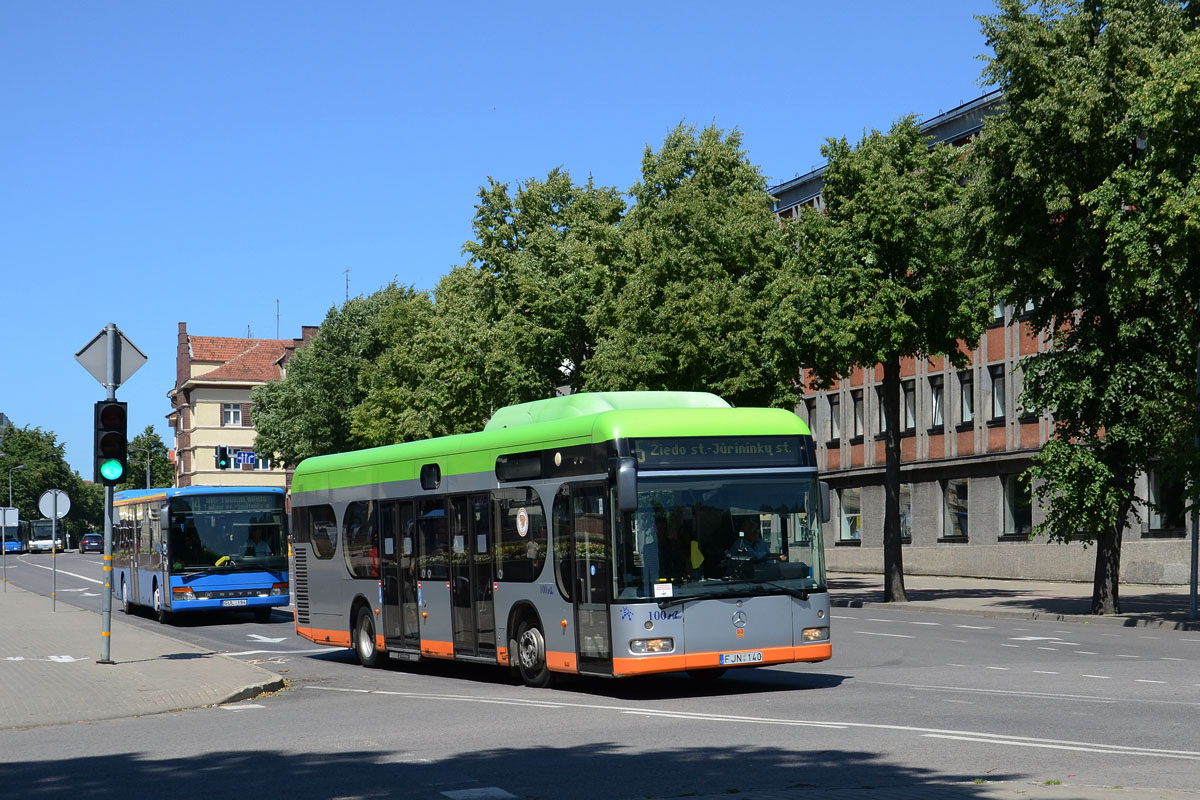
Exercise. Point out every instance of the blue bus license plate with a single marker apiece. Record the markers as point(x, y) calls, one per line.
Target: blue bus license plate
point(741, 658)
point(243, 602)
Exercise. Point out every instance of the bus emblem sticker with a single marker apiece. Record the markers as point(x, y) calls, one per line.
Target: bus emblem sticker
point(523, 522)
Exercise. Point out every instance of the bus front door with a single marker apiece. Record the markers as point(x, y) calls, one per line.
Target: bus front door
point(472, 600)
point(592, 546)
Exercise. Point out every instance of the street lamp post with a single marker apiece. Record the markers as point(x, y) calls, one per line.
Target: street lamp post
point(4, 535)
point(147, 452)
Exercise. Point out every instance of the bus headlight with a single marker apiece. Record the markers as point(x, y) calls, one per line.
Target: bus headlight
point(279, 589)
point(815, 635)
point(640, 646)
point(182, 593)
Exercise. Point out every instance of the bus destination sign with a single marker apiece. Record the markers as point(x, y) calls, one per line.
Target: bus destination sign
point(723, 451)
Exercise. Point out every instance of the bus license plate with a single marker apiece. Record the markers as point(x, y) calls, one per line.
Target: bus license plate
point(741, 658)
point(243, 602)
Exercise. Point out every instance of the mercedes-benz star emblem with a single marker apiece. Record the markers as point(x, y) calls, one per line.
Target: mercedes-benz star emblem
point(740, 619)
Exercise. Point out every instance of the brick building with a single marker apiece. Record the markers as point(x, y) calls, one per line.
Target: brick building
point(210, 406)
point(965, 508)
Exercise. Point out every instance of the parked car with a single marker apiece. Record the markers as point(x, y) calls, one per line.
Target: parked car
point(91, 543)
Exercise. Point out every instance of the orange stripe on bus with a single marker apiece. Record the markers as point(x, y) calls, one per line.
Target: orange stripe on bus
point(561, 662)
point(321, 636)
point(437, 649)
point(675, 663)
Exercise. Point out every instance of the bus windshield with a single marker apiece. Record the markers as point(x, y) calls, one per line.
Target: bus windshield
point(238, 531)
point(693, 536)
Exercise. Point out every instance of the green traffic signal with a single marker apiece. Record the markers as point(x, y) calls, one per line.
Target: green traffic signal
point(112, 470)
point(112, 441)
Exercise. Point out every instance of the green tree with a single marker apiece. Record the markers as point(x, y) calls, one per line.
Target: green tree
point(1076, 213)
point(45, 467)
point(308, 413)
point(544, 253)
point(148, 446)
point(879, 276)
point(685, 305)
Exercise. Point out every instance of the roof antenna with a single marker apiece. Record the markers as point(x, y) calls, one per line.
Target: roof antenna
point(347, 284)
point(276, 317)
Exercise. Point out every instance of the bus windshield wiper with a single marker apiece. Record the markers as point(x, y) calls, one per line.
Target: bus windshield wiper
point(799, 594)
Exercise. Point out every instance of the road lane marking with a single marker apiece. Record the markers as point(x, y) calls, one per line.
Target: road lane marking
point(1053, 649)
point(1124, 656)
point(1085, 653)
point(987, 738)
point(1106, 749)
point(1098, 677)
point(72, 574)
point(893, 635)
point(1045, 672)
point(975, 627)
point(1146, 680)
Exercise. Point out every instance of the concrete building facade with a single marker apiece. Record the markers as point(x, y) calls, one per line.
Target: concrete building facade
point(966, 508)
point(211, 407)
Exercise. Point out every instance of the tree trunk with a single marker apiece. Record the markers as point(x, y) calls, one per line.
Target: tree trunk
point(893, 556)
point(1106, 586)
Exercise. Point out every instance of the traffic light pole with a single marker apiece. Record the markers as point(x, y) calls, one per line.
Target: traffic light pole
point(113, 370)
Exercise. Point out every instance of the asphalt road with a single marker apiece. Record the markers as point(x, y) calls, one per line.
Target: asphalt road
point(908, 698)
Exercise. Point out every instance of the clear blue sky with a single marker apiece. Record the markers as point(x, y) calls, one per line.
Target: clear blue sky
point(198, 162)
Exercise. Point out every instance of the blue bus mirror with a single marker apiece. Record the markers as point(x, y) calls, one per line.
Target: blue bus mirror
point(626, 481)
point(825, 513)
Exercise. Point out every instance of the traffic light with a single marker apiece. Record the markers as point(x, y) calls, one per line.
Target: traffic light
point(112, 441)
point(222, 459)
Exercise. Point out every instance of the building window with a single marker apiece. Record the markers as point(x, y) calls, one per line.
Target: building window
point(997, 374)
point(908, 420)
point(1167, 508)
point(936, 417)
point(879, 405)
point(835, 421)
point(966, 393)
point(1018, 505)
point(906, 512)
point(261, 463)
point(858, 413)
point(231, 415)
point(998, 312)
point(955, 508)
point(851, 502)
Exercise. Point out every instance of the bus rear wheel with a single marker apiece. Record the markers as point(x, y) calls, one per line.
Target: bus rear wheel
point(531, 655)
point(364, 639)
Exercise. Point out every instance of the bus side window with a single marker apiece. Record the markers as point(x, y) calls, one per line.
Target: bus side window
point(317, 526)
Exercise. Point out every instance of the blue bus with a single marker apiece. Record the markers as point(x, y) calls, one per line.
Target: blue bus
point(201, 548)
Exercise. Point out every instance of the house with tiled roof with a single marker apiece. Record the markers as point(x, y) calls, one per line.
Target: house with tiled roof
point(211, 408)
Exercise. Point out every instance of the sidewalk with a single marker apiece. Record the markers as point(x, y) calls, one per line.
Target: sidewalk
point(49, 674)
point(1141, 606)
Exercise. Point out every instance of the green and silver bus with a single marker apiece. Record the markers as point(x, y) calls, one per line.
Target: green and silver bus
point(609, 534)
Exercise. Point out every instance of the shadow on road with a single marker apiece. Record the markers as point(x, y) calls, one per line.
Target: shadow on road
point(600, 771)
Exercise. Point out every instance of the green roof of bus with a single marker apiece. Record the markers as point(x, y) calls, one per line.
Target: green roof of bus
point(560, 421)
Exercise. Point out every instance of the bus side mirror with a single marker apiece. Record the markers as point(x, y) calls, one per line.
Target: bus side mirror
point(825, 514)
point(626, 481)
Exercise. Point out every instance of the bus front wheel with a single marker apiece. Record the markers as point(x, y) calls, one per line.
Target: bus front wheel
point(364, 639)
point(531, 655)
point(160, 611)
